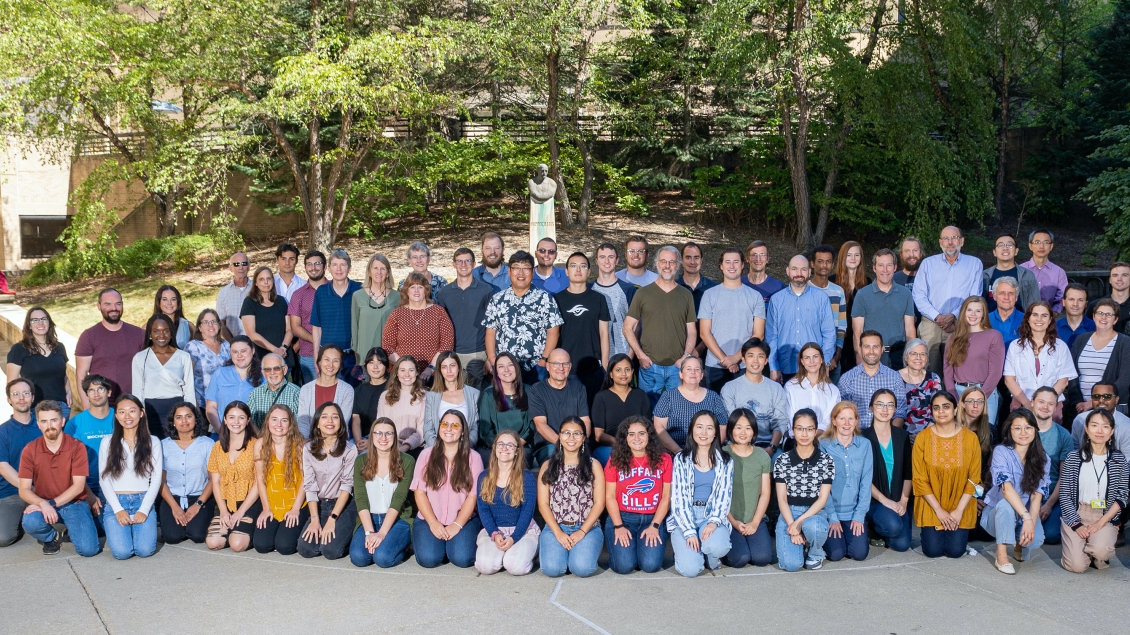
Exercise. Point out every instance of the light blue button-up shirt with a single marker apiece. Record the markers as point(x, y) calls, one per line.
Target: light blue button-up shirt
point(499, 282)
point(851, 489)
point(940, 287)
point(186, 471)
point(795, 320)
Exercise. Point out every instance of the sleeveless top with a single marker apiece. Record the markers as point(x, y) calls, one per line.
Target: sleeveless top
point(570, 501)
point(280, 498)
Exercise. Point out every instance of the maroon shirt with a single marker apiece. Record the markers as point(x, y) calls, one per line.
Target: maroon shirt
point(111, 353)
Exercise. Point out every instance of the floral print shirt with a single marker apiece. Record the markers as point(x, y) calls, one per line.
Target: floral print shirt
point(521, 323)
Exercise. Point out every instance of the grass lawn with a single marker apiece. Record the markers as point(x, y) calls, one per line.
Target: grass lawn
point(77, 313)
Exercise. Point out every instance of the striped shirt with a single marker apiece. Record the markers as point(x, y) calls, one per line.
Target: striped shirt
point(1092, 364)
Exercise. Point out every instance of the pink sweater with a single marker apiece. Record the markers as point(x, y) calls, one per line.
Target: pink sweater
point(983, 365)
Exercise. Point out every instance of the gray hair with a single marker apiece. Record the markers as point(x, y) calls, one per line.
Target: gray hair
point(341, 254)
point(1009, 280)
point(276, 356)
point(419, 246)
point(670, 248)
point(911, 345)
point(1032, 235)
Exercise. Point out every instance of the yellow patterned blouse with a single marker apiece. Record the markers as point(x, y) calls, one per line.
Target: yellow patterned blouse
point(236, 479)
point(944, 467)
point(280, 496)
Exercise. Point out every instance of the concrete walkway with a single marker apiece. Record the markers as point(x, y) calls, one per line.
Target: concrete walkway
point(187, 589)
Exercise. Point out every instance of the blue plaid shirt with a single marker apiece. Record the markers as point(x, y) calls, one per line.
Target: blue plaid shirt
point(857, 386)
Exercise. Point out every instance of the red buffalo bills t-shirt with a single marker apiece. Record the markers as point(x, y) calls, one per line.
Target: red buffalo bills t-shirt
point(641, 488)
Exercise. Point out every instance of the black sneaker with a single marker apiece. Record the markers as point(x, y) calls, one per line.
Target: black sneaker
point(51, 547)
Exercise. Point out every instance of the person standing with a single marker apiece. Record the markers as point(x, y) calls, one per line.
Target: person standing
point(823, 269)
point(466, 302)
point(41, 358)
point(286, 281)
point(885, 307)
point(93, 424)
point(15, 434)
point(635, 272)
point(372, 307)
point(764, 398)
point(162, 374)
point(975, 355)
point(1119, 291)
point(168, 301)
point(728, 315)
point(187, 504)
point(129, 469)
point(523, 321)
point(943, 282)
point(547, 277)
point(107, 348)
point(274, 391)
point(947, 474)
point(852, 277)
point(298, 311)
point(1074, 321)
point(229, 300)
point(618, 295)
point(584, 335)
point(1006, 319)
point(1093, 496)
point(52, 481)
point(692, 279)
point(493, 271)
point(910, 257)
point(208, 350)
point(921, 385)
point(1037, 359)
point(419, 257)
point(797, 316)
point(331, 313)
point(1004, 250)
point(663, 313)
point(264, 316)
point(858, 384)
point(757, 254)
point(1050, 276)
point(417, 328)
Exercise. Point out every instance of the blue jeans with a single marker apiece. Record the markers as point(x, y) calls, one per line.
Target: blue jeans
point(895, 528)
point(941, 542)
point(76, 517)
point(309, 372)
point(1052, 527)
point(130, 540)
point(602, 453)
point(460, 550)
point(581, 559)
point(657, 380)
point(391, 550)
point(790, 557)
point(688, 562)
point(992, 402)
point(1003, 523)
point(847, 545)
point(756, 549)
point(637, 554)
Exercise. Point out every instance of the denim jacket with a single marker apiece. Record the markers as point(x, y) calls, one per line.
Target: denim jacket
point(682, 495)
point(851, 489)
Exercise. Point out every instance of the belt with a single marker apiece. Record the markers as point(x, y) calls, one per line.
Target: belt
point(699, 503)
point(970, 385)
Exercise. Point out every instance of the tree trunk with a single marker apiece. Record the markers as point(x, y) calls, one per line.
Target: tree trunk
point(552, 62)
point(166, 213)
point(796, 144)
point(1002, 142)
point(586, 189)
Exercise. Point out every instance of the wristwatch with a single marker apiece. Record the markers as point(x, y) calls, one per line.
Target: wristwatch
point(367, 532)
point(656, 525)
point(200, 502)
point(334, 516)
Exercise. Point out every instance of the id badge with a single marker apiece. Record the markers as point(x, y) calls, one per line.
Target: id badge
point(1098, 503)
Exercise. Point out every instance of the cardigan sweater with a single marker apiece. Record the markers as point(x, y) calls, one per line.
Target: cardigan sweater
point(1116, 486)
point(432, 405)
point(682, 495)
point(1117, 370)
point(343, 397)
point(404, 504)
point(891, 487)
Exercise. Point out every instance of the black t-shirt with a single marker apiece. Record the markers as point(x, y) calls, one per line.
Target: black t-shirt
point(580, 334)
point(49, 374)
point(608, 410)
point(1123, 313)
point(270, 321)
point(553, 404)
point(365, 398)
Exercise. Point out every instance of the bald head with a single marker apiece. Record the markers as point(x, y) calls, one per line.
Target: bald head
point(798, 272)
point(951, 241)
point(559, 366)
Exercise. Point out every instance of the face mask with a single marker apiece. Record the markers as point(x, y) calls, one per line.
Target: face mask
point(978, 490)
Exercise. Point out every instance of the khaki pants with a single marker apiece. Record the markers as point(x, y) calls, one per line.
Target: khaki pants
point(474, 367)
point(1077, 552)
point(934, 337)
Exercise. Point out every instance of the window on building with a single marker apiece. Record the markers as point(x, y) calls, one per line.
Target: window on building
point(39, 235)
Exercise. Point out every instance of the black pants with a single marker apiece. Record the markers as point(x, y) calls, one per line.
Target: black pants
point(156, 412)
point(196, 530)
point(276, 536)
point(343, 532)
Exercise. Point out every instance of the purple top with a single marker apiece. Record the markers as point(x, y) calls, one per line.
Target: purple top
point(983, 365)
point(1052, 280)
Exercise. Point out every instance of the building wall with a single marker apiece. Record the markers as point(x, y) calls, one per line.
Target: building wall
point(30, 185)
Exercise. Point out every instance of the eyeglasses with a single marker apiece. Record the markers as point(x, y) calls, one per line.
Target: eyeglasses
point(804, 429)
point(1006, 246)
point(561, 364)
point(16, 395)
point(383, 433)
point(240, 264)
point(97, 389)
point(448, 425)
point(464, 261)
point(637, 252)
point(974, 402)
point(918, 354)
point(884, 405)
point(506, 446)
point(1102, 397)
point(1041, 243)
point(521, 269)
point(1102, 314)
point(573, 433)
point(273, 369)
point(209, 323)
point(579, 266)
point(40, 320)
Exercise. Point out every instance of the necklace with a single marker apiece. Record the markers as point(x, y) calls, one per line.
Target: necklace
point(412, 314)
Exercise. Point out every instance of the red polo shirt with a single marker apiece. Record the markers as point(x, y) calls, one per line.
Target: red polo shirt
point(52, 473)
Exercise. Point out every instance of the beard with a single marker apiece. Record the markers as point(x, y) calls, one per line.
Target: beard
point(52, 434)
point(318, 277)
point(912, 266)
point(113, 317)
point(492, 262)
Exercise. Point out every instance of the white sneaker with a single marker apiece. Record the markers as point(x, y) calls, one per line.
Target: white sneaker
point(813, 565)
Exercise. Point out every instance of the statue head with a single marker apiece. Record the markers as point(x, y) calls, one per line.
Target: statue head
point(543, 170)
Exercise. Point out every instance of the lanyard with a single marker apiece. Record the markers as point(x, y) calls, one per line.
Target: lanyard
point(1099, 475)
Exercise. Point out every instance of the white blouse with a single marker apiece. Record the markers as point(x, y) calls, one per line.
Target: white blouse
point(129, 480)
point(821, 400)
point(1020, 363)
point(380, 491)
point(171, 380)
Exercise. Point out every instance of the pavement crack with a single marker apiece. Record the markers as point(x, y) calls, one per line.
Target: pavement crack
point(88, 598)
point(587, 622)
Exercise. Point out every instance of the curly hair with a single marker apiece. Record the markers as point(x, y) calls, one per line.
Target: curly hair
point(1025, 340)
point(201, 428)
point(621, 458)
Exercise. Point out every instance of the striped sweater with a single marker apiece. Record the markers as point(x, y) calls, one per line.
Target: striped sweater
point(1116, 486)
point(682, 495)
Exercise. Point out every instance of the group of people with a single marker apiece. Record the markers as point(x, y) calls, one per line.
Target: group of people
point(526, 412)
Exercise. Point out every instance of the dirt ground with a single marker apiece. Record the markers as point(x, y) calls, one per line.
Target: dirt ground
point(672, 220)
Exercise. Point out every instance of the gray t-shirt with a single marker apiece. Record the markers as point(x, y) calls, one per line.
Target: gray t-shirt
point(731, 313)
point(467, 309)
point(884, 312)
point(642, 280)
point(767, 400)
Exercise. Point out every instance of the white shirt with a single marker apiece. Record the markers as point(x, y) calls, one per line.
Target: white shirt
point(1092, 365)
point(286, 292)
point(171, 380)
point(380, 491)
point(1054, 366)
point(1093, 479)
point(821, 400)
point(130, 481)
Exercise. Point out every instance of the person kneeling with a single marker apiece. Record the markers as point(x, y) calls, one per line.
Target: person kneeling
point(444, 486)
point(571, 500)
point(804, 478)
point(1092, 496)
point(637, 497)
point(129, 474)
point(506, 502)
point(278, 476)
point(384, 509)
point(1020, 471)
point(327, 471)
point(851, 489)
point(701, 490)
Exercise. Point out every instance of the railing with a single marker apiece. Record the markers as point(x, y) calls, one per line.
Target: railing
point(1097, 282)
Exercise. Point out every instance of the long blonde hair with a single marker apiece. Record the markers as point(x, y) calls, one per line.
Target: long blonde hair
point(292, 451)
point(390, 283)
point(515, 489)
point(830, 431)
point(957, 350)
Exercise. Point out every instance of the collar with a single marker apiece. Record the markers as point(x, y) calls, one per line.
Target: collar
point(794, 457)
